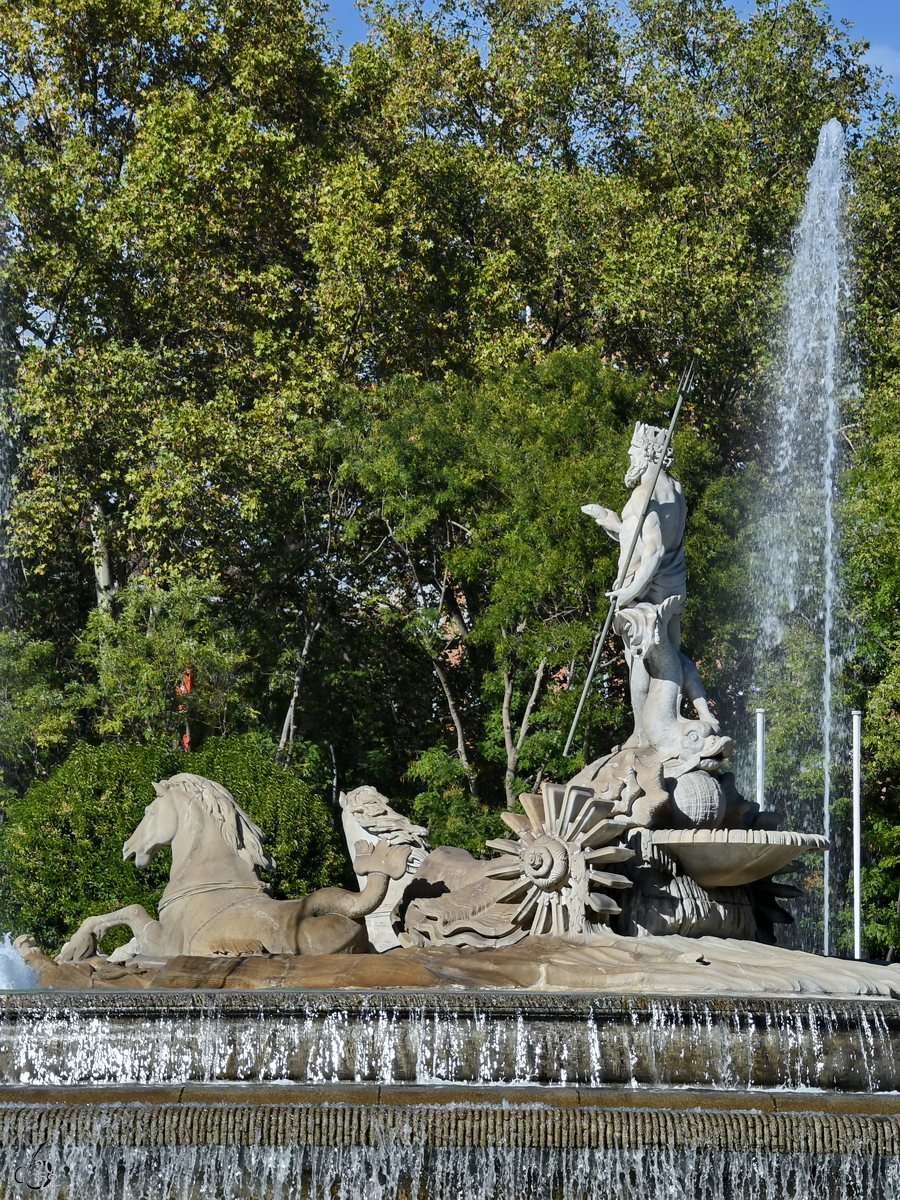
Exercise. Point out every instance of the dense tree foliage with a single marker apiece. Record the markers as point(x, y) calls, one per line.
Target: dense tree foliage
point(317, 356)
point(872, 519)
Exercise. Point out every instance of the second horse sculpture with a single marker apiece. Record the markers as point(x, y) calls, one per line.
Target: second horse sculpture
point(215, 902)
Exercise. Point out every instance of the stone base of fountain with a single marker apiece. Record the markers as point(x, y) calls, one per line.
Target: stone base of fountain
point(474, 1094)
point(436, 1039)
point(608, 963)
point(479, 1146)
point(365, 1115)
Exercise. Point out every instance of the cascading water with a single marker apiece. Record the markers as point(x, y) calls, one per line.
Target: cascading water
point(398, 1171)
point(15, 973)
point(801, 644)
point(429, 1040)
point(242, 1095)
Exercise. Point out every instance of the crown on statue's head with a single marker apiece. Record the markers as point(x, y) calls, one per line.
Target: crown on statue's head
point(650, 440)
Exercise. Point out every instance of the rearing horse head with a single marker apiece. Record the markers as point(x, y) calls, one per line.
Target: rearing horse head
point(180, 796)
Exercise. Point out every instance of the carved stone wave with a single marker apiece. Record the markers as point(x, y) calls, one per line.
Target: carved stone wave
point(609, 963)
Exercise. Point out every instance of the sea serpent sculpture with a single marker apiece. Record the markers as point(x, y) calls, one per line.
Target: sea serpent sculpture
point(215, 903)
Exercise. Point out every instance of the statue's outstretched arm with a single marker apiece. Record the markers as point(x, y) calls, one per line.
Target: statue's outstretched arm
point(608, 520)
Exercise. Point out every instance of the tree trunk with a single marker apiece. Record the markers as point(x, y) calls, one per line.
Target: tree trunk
point(103, 576)
point(457, 724)
point(288, 729)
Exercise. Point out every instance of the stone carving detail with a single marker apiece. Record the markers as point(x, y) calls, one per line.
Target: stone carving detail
point(367, 816)
point(702, 882)
point(551, 879)
point(668, 674)
point(215, 902)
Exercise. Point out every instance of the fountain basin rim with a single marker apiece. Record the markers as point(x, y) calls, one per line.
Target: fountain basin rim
point(275, 1001)
point(513, 1097)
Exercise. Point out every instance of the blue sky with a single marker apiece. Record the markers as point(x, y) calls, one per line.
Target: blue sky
point(877, 22)
point(874, 21)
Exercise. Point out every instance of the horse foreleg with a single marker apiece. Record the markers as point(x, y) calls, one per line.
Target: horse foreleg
point(83, 943)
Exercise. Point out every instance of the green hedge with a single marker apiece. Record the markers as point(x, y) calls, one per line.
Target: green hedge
point(61, 843)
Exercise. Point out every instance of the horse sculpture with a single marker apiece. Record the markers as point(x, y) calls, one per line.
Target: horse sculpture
point(215, 903)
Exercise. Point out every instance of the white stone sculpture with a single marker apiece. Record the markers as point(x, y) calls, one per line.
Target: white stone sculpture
point(666, 777)
point(657, 569)
point(215, 902)
point(552, 879)
point(664, 745)
point(367, 816)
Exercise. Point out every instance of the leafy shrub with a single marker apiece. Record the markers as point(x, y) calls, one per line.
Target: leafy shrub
point(38, 706)
point(445, 806)
point(61, 843)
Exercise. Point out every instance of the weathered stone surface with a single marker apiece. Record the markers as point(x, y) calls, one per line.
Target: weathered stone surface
point(608, 964)
point(368, 817)
point(609, 1121)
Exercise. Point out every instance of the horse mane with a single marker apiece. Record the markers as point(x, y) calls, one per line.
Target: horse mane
point(242, 835)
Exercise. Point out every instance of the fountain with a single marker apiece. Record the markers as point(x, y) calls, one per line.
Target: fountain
point(599, 1010)
point(796, 565)
point(15, 973)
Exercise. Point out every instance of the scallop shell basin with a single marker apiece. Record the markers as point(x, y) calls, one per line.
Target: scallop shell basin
point(732, 857)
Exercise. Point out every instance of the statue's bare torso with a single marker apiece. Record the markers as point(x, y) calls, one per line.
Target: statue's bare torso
point(657, 568)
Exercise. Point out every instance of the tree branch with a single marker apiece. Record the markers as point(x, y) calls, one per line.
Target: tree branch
point(457, 724)
point(514, 749)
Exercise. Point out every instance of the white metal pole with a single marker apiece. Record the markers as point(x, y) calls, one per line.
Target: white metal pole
point(857, 834)
point(761, 757)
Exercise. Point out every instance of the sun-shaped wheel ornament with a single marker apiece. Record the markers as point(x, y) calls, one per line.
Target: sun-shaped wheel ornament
point(551, 879)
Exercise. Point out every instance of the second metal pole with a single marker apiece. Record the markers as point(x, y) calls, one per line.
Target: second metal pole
point(857, 834)
point(761, 758)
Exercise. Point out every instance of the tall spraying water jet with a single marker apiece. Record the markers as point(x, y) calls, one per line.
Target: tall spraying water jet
point(801, 648)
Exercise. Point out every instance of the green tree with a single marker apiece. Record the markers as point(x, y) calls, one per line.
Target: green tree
point(351, 341)
point(166, 667)
point(499, 578)
point(871, 520)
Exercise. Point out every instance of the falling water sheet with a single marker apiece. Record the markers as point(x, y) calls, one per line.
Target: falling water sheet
point(415, 1173)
